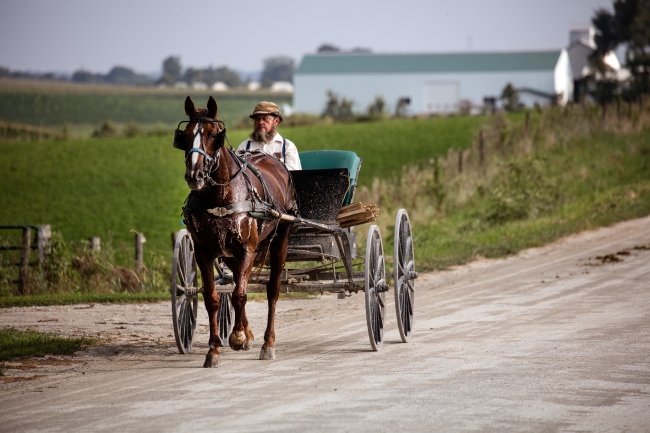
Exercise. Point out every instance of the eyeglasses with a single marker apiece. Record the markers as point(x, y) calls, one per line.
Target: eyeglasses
point(266, 118)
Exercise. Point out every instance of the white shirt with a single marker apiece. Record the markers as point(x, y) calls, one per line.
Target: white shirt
point(274, 148)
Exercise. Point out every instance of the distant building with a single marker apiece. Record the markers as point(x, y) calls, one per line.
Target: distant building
point(282, 86)
point(219, 86)
point(254, 85)
point(432, 83)
point(198, 85)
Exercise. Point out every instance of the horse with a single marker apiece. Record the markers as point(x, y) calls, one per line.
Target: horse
point(226, 189)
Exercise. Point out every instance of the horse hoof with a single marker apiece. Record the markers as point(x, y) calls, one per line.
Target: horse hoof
point(267, 353)
point(237, 340)
point(247, 345)
point(212, 361)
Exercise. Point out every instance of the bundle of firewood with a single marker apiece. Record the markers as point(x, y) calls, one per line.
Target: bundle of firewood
point(356, 214)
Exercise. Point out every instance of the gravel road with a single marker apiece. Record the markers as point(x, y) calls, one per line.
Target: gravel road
point(554, 339)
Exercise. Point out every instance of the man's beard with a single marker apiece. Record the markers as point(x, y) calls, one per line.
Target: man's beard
point(263, 137)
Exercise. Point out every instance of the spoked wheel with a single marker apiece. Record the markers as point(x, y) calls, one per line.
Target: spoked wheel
point(226, 313)
point(225, 317)
point(375, 287)
point(404, 274)
point(185, 296)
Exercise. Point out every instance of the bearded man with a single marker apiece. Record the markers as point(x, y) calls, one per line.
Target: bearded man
point(265, 138)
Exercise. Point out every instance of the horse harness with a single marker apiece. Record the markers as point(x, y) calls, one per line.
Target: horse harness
point(255, 206)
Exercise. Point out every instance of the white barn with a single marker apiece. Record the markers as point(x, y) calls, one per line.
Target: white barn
point(432, 83)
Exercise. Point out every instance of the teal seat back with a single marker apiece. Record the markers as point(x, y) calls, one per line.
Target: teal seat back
point(323, 159)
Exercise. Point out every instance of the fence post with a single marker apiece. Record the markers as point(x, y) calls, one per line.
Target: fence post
point(139, 240)
point(527, 123)
point(24, 260)
point(481, 148)
point(44, 236)
point(95, 243)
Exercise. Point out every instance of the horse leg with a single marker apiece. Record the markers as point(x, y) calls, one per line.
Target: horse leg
point(278, 255)
point(241, 337)
point(211, 300)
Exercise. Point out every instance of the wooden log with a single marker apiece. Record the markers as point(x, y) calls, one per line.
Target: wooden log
point(357, 216)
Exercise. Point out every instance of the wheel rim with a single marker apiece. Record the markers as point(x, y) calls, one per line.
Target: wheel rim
point(184, 292)
point(226, 317)
point(403, 275)
point(375, 288)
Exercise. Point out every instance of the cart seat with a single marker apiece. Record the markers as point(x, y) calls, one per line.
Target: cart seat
point(325, 159)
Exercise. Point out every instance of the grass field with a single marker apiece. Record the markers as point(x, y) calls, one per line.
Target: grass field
point(55, 104)
point(108, 187)
point(586, 170)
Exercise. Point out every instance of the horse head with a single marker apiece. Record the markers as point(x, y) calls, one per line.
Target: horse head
point(201, 139)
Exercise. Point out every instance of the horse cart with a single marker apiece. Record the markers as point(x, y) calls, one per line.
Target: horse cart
point(326, 183)
point(321, 256)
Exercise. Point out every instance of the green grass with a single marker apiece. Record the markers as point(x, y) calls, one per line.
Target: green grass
point(108, 187)
point(25, 344)
point(103, 187)
point(386, 146)
point(602, 179)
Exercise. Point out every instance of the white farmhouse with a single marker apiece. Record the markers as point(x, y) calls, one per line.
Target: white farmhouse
point(432, 83)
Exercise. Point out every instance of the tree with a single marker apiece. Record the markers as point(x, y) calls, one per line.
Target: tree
point(510, 97)
point(278, 68)
point(126, 76)
point(82, 76)
point(328, 48)
point(629, 25)
point(171, 69)
point(377, 107)
point(223, 74)
point(192, 76)
point(337, 109)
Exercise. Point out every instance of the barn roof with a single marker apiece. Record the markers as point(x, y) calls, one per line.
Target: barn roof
point(344, 63)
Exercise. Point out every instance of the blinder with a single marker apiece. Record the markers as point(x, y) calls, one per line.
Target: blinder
point(179, 138)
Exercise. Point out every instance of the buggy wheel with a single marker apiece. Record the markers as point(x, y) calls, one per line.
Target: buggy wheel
point(375, 287)
point(226, 313)
point(404, 275)
point(184, 291)
point(225, 317)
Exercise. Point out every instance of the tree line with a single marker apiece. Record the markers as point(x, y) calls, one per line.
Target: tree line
point(277, 68)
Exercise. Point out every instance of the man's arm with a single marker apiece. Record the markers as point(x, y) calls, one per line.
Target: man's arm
point(291, 158)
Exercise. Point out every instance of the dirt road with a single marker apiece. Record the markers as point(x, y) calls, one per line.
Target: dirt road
point(554, 339)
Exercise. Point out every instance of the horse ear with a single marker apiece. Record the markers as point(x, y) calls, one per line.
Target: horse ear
point(212, 108)
point(189, 107)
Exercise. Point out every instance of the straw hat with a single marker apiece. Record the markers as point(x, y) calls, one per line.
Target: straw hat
point(267, 108)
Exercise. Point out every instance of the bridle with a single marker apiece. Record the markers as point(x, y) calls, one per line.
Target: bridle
point(220, 139)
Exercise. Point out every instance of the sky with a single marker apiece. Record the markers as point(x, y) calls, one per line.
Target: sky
point(67, 35)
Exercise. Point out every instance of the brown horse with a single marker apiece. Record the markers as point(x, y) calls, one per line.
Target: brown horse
point(226, 188)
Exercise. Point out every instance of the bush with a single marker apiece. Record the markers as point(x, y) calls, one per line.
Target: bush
point(107, 129)
point(338, 109)
point(523, 191)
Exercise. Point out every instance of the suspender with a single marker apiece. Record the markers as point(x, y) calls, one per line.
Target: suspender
point(284, 148)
